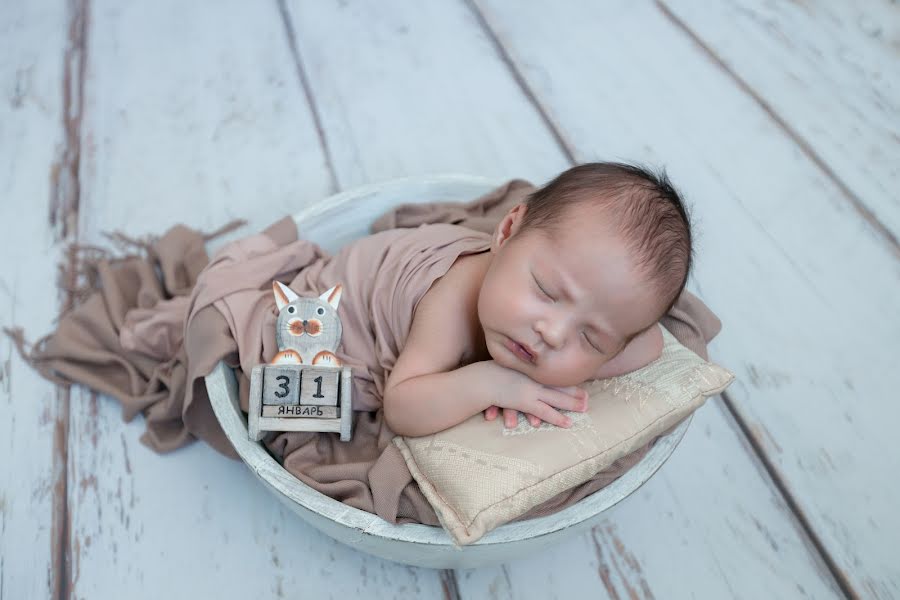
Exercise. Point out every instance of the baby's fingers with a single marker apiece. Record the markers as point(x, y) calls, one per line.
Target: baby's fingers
point(545, 412)
point(491, 412)
point(563, 400)
point(510, 417)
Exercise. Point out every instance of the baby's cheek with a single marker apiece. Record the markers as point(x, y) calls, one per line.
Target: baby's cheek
point(569, 371)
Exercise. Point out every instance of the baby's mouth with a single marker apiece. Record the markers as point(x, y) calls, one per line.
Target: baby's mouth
point(520, 350)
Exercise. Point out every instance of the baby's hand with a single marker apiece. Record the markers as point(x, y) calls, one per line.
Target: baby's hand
point(516, 392)
point(510, 416)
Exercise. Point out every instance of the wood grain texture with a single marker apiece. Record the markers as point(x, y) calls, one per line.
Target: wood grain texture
point(201, 115)
point(280, 385)
point(194, 115)
point(806, 291)
point(358, 58)
point(830, 71)
point(320, 386)
point(33, 419)
point(416, 89)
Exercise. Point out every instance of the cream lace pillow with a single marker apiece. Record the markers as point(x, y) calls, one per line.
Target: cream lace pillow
point(478, 475)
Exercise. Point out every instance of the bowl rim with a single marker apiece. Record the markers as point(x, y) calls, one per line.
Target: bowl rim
point(223, 394)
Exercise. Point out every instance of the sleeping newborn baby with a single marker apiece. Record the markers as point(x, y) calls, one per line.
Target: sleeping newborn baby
point(572, 288)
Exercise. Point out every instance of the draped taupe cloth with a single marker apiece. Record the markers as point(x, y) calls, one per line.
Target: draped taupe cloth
point(156, 325)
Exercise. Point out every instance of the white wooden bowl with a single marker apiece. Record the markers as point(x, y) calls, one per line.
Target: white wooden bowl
point(336, 221)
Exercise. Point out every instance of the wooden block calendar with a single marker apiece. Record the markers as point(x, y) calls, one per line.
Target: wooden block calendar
point(306, 387)
point(300, 398)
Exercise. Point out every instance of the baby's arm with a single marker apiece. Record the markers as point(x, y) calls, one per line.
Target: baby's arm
point(426, 393)
point(433, 402)
point(416, 405)
point(640, 352)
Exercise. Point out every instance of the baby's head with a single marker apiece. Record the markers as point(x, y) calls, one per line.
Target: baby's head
point(588, 262)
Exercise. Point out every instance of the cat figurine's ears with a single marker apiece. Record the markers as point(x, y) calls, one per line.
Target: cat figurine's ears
point(285, 295)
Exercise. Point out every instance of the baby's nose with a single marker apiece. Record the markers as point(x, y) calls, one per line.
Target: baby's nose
point(551, 333)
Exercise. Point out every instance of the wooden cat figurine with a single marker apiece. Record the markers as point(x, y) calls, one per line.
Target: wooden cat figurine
point(308, 330)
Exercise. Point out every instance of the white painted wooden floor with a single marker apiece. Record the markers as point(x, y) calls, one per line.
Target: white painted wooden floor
point(780, 121)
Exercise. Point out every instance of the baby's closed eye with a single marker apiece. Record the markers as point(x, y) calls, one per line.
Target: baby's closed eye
point(541, 288)
point(590, 343)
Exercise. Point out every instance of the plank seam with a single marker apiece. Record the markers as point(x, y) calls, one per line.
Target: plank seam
point(500, 48)
point(449, 584)
point(772, 472)
point(780, 482)
point(307, 92)
point(64, 190)
point(855, 201)
point(60, 536)
point(64, 205)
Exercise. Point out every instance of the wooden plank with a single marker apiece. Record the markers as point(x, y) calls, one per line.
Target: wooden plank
point(399, 93)
point(364, 63)
point(33, 419)
point(195, 114)
point(805, 288)
point(829, 71)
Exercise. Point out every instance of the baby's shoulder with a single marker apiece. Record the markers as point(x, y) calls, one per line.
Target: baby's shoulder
point(454, 297)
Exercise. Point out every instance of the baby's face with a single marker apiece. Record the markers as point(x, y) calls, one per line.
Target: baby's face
point(558, 308)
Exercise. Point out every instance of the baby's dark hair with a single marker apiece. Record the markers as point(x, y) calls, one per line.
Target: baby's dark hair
point(645, 208)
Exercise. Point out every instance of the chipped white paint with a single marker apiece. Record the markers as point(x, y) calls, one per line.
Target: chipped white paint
point(416, 88)
point(32, 416)
point(197, 115)
point(830, 70)
point(806, 290)
point(440, 40)
point(194, 114)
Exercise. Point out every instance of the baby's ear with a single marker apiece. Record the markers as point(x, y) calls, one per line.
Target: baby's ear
point(283, 294)
point(333, 296)
point(508, 226)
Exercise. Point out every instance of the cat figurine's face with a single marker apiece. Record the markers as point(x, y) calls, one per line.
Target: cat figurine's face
point(307, 325)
